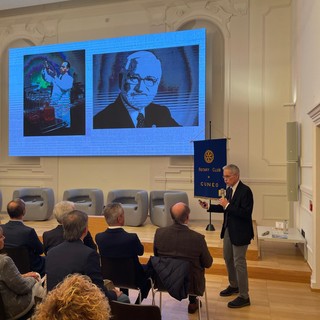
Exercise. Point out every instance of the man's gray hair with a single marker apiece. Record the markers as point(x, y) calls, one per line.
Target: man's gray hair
point(233, 168)
point(74, 224)
point(111, 212)
point(61, 208)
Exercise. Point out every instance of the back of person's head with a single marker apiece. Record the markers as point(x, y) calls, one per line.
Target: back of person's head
point(112, 212)
point(74, 298)
point(16, 208)
point(61, 208)
point(74, 225)
point(180, 212)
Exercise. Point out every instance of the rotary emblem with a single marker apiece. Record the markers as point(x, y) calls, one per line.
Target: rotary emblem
point(208, 156)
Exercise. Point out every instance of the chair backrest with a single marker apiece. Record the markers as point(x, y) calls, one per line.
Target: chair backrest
point(122, 271)
point(20, 257)
point(125, 311)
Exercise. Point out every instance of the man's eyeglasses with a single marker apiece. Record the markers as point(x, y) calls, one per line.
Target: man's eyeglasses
point(136, 79)
point(227, 177)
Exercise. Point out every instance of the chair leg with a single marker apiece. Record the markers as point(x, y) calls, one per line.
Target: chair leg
point(206, 300)
point(199, 308)
point(139, 296)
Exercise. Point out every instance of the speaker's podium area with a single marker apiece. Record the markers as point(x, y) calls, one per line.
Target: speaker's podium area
point(275, 262)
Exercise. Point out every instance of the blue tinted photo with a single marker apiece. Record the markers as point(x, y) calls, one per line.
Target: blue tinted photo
point(146, 88)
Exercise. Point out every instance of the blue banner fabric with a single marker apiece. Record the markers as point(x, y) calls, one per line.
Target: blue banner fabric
point(210, 156)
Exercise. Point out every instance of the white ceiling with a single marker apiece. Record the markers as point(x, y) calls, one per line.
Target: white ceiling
point(14, 4)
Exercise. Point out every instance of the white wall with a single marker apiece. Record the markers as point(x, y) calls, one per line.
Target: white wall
point(306, 83)
point(249, 83)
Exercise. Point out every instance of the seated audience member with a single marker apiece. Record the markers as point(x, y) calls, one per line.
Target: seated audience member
point(19, 235)
point(16, 290)
point(115, 242)
point(74, 298)
point(72, 256)
point(54, 237)
point(178, 241)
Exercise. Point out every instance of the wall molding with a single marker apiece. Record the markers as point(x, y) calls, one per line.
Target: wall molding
point(314, 114)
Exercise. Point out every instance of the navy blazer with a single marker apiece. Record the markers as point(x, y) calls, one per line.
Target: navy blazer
point(117, 243)
point(116, 115)
point(238, 215)
point(54, 237)
point(19, 235)
point(74, 257)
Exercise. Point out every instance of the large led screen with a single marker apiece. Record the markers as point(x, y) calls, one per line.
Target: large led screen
point(132, 96)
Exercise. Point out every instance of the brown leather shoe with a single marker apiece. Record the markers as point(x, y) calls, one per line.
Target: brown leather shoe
point(192, 307)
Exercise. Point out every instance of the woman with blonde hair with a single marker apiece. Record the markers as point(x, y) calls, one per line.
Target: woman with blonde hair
point(76, 297)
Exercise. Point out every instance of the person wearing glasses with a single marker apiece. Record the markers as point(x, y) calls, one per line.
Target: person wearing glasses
point(236, 232)
point(134, 108)
point(61, 89)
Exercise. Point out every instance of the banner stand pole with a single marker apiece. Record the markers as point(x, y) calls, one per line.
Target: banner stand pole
point(210, 226)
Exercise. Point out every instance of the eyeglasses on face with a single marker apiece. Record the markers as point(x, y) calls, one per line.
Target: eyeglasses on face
point(228, 176)
point(135, 79)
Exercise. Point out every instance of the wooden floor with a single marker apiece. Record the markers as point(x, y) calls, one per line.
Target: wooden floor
point(279, 282)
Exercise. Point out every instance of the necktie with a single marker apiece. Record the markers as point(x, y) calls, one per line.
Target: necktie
point(229, 193)
point(228, 197)
point(140, 123)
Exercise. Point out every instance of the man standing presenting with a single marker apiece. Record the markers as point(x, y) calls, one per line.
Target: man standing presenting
point(178, 241)
point(236, 232)
point(139, 81)
point(61, 89)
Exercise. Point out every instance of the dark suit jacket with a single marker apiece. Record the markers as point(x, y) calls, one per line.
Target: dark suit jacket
point(238, 215)
point(117, 116)
point(54, 237)
point(19, 235)
point(179, 241)
point(74, 257)
point(117, 243)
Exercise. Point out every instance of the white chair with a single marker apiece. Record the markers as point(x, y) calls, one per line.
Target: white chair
point(88, 200)
point(134, 203)
point(39, 202)
point(160, 204)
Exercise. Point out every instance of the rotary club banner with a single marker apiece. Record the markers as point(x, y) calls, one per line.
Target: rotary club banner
point(210, 156)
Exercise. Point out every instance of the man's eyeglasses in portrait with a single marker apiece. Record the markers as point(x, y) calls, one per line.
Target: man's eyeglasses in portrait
point(136, 79)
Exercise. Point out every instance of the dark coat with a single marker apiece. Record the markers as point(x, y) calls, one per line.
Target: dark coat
point(173, 275)
point(117, 243)
point(178, 241)
point(74, 257)
point(238, 215)
point(116, 115)
point(19, 235)
point(54, 237)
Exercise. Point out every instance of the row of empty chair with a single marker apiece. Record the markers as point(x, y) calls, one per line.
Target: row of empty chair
point(136, 203)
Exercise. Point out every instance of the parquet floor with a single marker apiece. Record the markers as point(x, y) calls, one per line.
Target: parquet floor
point(271, 299)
